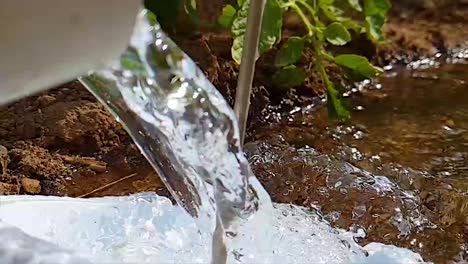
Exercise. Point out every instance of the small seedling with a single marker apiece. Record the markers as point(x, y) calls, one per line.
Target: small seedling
point(328, 22)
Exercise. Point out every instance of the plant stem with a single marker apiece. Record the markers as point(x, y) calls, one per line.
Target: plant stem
point(319, 56)
point(247, 68)
point(286, 5)
point(310, 27)
point(311, 10)
point(332, 93)
point(318, 47)
point(315, 42)
point(328, 56)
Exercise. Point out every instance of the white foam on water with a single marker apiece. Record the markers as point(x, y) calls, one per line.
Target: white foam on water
point(147, 228)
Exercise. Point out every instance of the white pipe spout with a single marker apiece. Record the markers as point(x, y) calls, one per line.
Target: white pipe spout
point(44, 43)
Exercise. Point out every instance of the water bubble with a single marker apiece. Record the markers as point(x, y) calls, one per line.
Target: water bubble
point(359, 108)
point(359, 211)
point(359, 135)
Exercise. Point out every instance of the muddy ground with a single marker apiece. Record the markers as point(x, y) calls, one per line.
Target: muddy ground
point(63, 142)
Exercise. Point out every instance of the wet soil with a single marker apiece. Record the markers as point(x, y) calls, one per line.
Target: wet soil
point(63, 142)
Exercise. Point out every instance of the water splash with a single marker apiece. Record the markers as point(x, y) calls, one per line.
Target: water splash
point(184, 127)
point(147, 228)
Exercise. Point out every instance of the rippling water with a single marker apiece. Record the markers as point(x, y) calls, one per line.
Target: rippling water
point(410, 127)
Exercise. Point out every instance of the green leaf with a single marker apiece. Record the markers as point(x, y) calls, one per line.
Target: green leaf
point(375, 11)
point(325, 2)
point(190, 7)
point(358, 64)
point(355, 4)
point(227, 16)
point(374, 26)
point(330, 11)
point(130, 61)
point(240, 3)
point(336, 109)
point(152, 19)
point(238, 30)
point(271, 28)
point(166, 10)
point(291, 52)
point(289, 77)
point(350, 24)
point(376, 7)
point(318, 32)
point(337, 34)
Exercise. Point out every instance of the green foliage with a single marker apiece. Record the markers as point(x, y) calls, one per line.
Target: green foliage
point(375, 12)
point(165, 10)
point(227, 17)
point(168, 11)
point(271, 28)
point(291, 52)
point(190, 8)
point(337, 34)
point(328, 22)
point(376, 7)
point(355, 4)
point(289, 77)
point(335, 107)
point(357, 64)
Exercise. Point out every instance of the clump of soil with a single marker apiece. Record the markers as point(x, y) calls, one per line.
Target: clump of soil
point(412, 35)
point(58, 135)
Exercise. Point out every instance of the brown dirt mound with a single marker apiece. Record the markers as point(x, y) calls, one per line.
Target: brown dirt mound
point(56, 135)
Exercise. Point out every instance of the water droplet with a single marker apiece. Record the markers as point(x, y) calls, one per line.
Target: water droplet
point(359, 135)
point(359, 211)
point(359, 108)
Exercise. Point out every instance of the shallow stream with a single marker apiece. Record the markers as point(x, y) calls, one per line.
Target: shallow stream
point(411, 126)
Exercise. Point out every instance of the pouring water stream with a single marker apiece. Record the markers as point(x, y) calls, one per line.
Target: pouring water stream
point(184, 127)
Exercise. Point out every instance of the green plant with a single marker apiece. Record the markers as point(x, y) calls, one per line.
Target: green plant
point(168, 11)
point(328, 22)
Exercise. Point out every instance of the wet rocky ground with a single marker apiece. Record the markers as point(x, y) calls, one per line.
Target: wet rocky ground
point(396, 172)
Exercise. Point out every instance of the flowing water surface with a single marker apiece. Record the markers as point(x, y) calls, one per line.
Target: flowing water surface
point(411, 126)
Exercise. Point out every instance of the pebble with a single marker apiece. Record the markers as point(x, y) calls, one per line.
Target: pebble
point(31, 186)
point(4, 160)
